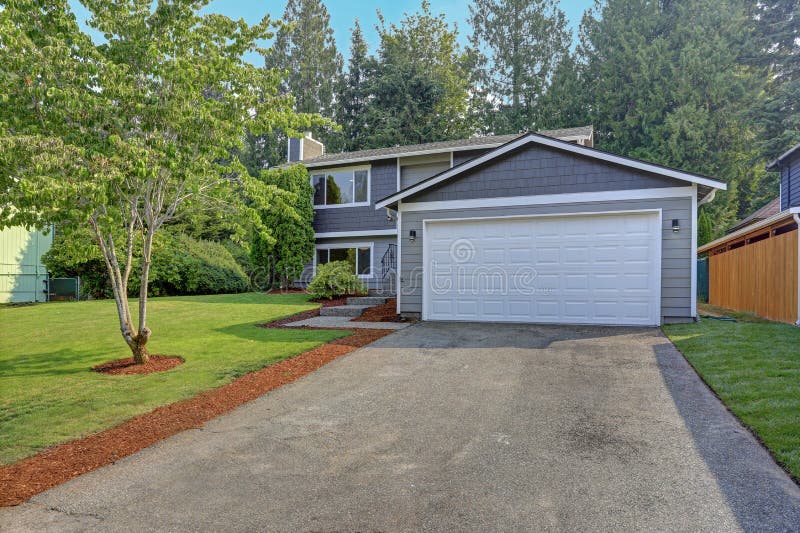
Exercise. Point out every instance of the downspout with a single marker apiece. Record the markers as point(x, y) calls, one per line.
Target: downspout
point(796, 217)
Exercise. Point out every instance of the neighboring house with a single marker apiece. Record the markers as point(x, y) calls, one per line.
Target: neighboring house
point(23, 277)
point(538, 227)
point(754, 267)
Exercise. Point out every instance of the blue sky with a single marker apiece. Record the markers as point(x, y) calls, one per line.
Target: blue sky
point(343, 12)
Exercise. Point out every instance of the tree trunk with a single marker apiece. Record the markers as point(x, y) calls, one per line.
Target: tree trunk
point(139, 349)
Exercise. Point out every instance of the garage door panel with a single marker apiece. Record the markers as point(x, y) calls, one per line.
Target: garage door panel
point(601, 269)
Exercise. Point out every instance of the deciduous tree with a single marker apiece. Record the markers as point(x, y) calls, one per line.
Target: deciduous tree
point(120, 137)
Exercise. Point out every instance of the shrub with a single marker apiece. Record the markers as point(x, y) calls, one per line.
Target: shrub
point(183, 265)
point(335, 279)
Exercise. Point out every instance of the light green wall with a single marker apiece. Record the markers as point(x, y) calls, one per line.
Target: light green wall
point(22, 273)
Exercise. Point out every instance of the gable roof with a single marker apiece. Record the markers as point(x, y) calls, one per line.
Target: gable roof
point(775, 165)
point(771, 209)
point(534, 138)
point(472, 143)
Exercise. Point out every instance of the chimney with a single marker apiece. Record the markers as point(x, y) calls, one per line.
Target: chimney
point(304, 148)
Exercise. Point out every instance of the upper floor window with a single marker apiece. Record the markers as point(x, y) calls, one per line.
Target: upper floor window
point(341, 187)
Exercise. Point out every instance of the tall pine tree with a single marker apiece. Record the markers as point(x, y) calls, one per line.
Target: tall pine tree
point(353, 93)
point(418, 89)
point(305, 48)
point(671, 84)
point(778, 29)
point(519, 44)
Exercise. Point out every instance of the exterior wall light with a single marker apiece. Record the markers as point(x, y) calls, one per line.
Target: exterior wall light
point(675, 226)
point(412, 235)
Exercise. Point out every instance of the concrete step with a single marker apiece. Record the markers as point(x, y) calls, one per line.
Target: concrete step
point(366, 300)
point(343, 310)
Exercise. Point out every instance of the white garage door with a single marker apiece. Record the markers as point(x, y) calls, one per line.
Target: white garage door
point(578, 269)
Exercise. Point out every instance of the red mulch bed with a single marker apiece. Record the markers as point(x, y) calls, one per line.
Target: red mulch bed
point(157, 363)
point(21, 480)
point(380, 313)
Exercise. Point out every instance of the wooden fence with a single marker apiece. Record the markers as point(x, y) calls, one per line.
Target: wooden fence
point(760, 278)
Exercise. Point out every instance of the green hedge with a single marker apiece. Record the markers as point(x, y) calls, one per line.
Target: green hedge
point(181, 265)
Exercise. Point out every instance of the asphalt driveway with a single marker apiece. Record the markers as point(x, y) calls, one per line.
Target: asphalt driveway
point(453, 427)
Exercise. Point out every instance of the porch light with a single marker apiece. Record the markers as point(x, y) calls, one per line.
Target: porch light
point(412, 235)
point(676, 227)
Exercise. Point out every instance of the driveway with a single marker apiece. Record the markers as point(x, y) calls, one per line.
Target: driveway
point(453, 427)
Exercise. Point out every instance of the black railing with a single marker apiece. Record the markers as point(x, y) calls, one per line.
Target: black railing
point(389, 261)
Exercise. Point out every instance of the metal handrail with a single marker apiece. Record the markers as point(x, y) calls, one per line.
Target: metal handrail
point(389, 261)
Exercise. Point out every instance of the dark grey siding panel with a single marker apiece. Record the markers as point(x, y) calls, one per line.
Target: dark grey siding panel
point(790, 183)
point(676, 262)
point(536, 170)
point(294, 150)
point(383, 182)
point(379, 246)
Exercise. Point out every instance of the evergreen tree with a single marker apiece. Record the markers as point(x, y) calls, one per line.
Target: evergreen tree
point(353, 93)
point(282, 258)
point(705, 229)
point(671, 84)
point(566, 103)
point(418, 88)
point(304, 47)
point(778, 27)
point(518, 44)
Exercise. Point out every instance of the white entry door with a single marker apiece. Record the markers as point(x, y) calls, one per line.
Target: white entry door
point(575, 269)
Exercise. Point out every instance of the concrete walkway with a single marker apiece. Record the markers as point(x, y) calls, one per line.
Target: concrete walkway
point(344, 322)
point(453, 427)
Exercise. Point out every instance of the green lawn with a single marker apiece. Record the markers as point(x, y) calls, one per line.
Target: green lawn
point(754, 366)
point(48, 394)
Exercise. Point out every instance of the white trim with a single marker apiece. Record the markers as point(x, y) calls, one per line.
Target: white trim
point(300, 152)
point(320, 171)
point(404, 154)
point(778, 217)
point(548, 199)
point(451, 158)
point(558, 144)
point(363, 233)
point(693, 305)
point(398, 281)
point(338, 245)
point(657, 268)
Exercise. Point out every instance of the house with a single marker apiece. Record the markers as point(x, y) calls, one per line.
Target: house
point(754, 267)
point(539, 227)
point(23, 276)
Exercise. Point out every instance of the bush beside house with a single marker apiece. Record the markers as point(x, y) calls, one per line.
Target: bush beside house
point(335, 279)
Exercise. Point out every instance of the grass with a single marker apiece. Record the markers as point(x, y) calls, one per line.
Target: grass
point(48, 394)
point(754, 367)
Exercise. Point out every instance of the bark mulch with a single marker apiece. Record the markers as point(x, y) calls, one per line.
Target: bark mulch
point(157, 363)
point(380, 313)
point(22, 480)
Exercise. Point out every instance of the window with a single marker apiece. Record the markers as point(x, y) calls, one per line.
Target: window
point(341, 187)
point(360, 257)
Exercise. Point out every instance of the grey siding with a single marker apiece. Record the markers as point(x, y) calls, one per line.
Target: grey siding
point(413, 174)
point(383, 182)
point(790, 183)
point(536, 170)
point(466, 155)
point(380, 245)
point(677, 254)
